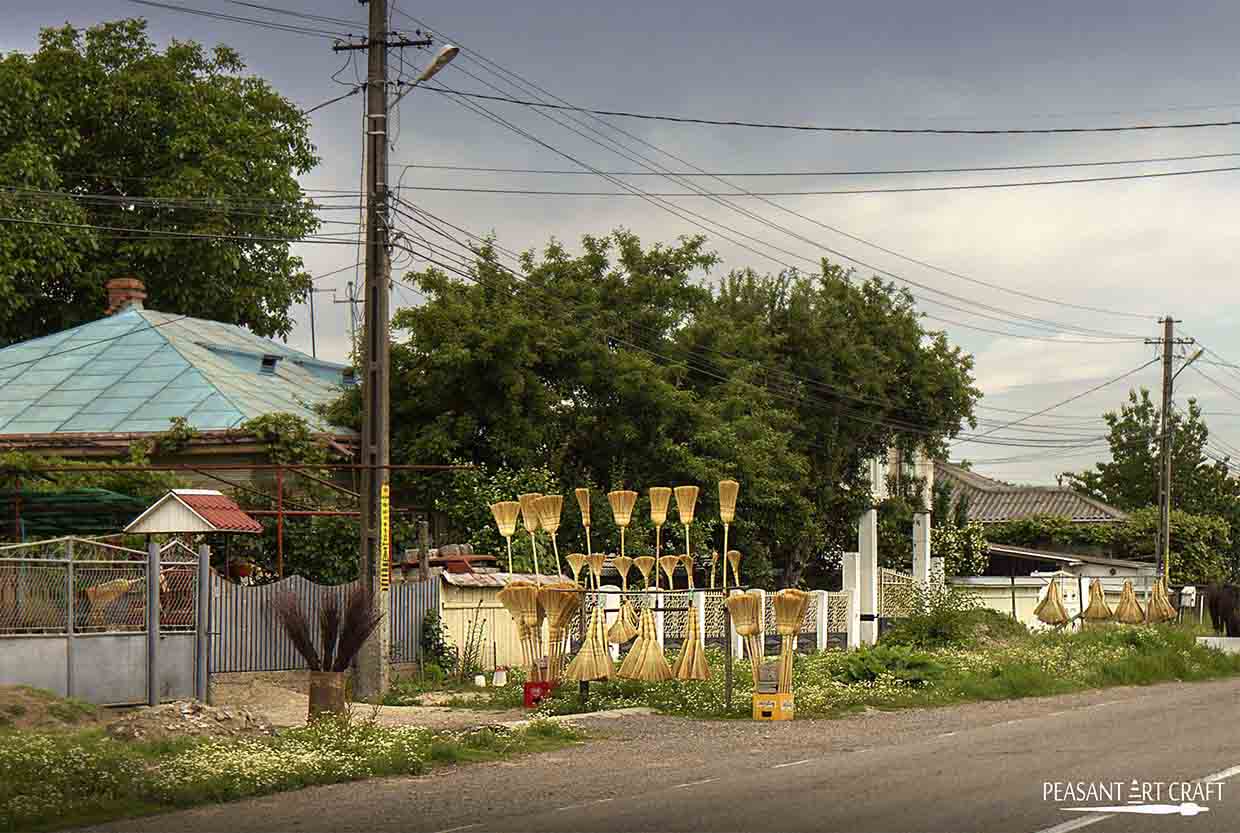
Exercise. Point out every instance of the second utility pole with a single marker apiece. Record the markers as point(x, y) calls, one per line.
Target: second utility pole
point(1162, 547)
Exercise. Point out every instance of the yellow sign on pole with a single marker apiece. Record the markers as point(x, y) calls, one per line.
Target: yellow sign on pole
point(385, 536)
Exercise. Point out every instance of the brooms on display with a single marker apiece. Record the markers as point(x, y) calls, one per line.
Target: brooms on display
point(593, 661)
point(596, 568)
point(747, 620)
point(1051, 610)
point(622, 502)
point(728, 490)
point(644, 564)
point(560, 601)
point(505, 513)
point(625, 626)
point(714, 559)
point(789, 605)
point(576, 561)
point(686, 561)
point(1128, 609)
point(669, 563)
point(645, 660)
point(691, 663)
point(530, 520)
point(660, 496)
point(1159, 608)
point(734, 558)
point(583, 503)
point(549, 507)
point(1098, 609)
point(520, 599)
point(686, 500)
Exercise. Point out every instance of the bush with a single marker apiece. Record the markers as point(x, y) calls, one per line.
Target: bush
point(947, 617)
point(433, 642)
point(1012, 681)
point(912, 668)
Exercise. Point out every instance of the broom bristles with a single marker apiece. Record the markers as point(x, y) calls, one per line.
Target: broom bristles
point(691, 663)
point(1159, 608)
point(1128, 610)
point(583, 503)
point(549, 508)
point(669, 563)
point(529, 510)
point(505, 513)
point(623, 564)
point(686, 561)
point(686, 500)
point(743, 608)
point(789, 605)
point(576, 561)
point(1098, 610)
point(1051, 610)
point(644, 564)
point(734, 558)
point(660, 496)
point(622, 502)
point(728, 490)
point(625, 626)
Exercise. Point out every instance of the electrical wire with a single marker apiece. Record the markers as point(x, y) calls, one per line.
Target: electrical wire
point(250, 21)
point(180, 235)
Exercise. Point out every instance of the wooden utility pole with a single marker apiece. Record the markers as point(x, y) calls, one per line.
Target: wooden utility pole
point(1168, 343)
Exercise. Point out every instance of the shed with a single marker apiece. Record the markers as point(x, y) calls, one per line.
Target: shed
point(469, 604)
point(193, 511)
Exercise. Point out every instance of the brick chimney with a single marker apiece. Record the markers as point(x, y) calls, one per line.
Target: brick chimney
point(124, 293)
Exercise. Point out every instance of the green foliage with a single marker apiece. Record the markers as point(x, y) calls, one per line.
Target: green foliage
point(963, 548)
point(144, 485)
point(949, 617)
point(468, 494)
point(911, 667)
point(1012, 681)
point(618, 368)
point(433, 643)
point(180, 139)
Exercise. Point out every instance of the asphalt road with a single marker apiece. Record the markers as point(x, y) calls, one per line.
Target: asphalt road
point(977, 767)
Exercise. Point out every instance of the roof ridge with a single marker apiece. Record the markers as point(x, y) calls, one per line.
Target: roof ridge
point(190, 361)
point(291, 351)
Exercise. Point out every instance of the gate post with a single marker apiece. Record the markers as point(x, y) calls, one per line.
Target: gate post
point(69, 622)
point(152, 624)
point(852, 589)
point(820, 637)
point(867, 547)
point(202, 643)
point(921, 549)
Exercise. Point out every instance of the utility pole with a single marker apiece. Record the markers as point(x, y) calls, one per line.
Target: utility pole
point(351, 300)
point(314, 347)
point(1168, 343)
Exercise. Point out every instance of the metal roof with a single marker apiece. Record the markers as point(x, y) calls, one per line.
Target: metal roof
point(993, 501)
point(496, 579)
point(135, 371)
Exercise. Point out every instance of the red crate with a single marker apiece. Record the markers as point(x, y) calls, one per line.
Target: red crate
point(537, 692)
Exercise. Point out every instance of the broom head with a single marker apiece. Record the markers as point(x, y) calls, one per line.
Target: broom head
point(644, 564)
point(625, 626)
point(728, 490)
point(561, 601)
point(686, 561)
point(789, 605)
point(549, 507)
point(596, 564)
point(1051, 610)
point(686, 500)
point(669, 563)
point(743, 608)
point(583, 503)
point(652, 666)
point(660, 496)
point(734, 558)
point(623, 564)
point(1159, 608)
point(1098, 610)
point(576, 561)
point(622, 502)
point(691, 663)
point(529, 510)
point(1128, 610)
point(505, 513)
point(593, 662)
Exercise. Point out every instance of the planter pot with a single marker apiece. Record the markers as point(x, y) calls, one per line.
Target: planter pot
point(326, 693)
point(500, 679)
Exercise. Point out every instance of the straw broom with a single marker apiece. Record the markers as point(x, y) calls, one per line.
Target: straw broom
point(646, 661)
point(622, 502)
point(505, 513)
point(660, 496)
point(560, 600)
point(747, 619)
point(669, 563)
point(583, 503)
point(575, 562)
point(714, 559)
point(691, 663)
point(728, 490)
point(734, 558)
point(1051, 610)
point(549, 507)
point(686, 561)
point(1098, 610)
point(1159, 608)
point(625, 626)
point(596, 567)
point(530, 519)
point(520, 598)
point(628, 667)
point(789, 605)
point(593, 662)
point(686, 500)
point(1129, 609)
point(644, 564)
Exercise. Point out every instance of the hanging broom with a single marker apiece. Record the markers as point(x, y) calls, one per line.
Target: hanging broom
point(549, 507)
point(560, 601)
point(686, 500)
point(1098, 610)
point(1128, 610)
point(505, 513)
point(583, 503)
point(1159, 608)
point(686, 561)
point(789, 605)
point(1051, 610)
point(596, 567)
point(520, 598)
point(646, 661)
point(691, 663)
point(576, 561)
point(625, 626)
point(747, 619)
point(734, 558)
point(622, 502)
point(728, 490)
point(660, 496)
point(644, 564)
point(714, 559)
point(530, 519)
point(669, 563)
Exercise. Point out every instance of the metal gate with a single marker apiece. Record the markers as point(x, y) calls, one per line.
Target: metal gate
point(76, 618)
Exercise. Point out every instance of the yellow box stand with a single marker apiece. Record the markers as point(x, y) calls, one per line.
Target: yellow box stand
point(773, 706)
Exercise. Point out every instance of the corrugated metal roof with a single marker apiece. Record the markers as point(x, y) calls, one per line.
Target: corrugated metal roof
point(135, 371)
point(496, 579)
point(993, 501)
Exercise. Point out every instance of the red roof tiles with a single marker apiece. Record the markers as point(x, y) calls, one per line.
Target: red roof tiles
point(219, 510)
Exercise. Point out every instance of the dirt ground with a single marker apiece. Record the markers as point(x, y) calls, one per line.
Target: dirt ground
point(23, 707)
point(283, 700)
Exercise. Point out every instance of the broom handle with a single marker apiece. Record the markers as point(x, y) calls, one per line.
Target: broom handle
point(534, 547)
point(658, 531)
point(588, 550)
point(558, 570)
point(509, 540)
point(725, 557)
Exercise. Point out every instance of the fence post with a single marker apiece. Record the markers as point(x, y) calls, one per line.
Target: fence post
point(202, 642)
point(70, 621)
point(852, 590)
point(921, 548)
point(867, 547)
point(658, 616)
point(152, 624)
point(820, 638)
point(609, 599)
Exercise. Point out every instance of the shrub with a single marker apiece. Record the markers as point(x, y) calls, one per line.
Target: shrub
point(947, 617)
point(913, 668)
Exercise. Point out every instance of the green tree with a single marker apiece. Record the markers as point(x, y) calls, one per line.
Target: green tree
point(617, 368)
point(100, 128)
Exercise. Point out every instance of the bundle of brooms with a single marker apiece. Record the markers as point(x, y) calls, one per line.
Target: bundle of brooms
point(1128, 610)
point(1098, 609)
point(1051, 610)
point(561, 602)
point(691, 663)
point(789, 605)
point(593, 661)
point(625, 626)
point(746, 613)
point(645, 660)
point(1159, 607)
point(520, 599)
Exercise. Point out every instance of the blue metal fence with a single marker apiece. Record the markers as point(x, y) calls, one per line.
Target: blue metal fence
point(245, 636)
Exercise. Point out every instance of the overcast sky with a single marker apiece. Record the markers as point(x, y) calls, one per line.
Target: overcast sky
point(1144, 246)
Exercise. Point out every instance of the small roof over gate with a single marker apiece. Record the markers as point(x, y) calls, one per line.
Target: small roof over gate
point(183, 511)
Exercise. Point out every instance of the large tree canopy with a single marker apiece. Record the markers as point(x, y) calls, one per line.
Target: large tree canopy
point(99, 128)
point(619, 368)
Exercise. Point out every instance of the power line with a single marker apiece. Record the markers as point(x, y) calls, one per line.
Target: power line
point(303, 15)
point(180, 235)
point(353, 91)
point(830, 172)
point(250, 21)
point(953, 131)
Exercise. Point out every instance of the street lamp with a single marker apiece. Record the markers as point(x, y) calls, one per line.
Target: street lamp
point(442, 59)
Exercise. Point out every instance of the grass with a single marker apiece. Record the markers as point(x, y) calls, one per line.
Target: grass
point(56, 780)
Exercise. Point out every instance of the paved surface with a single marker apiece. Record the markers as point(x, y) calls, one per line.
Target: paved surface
point(973, 767)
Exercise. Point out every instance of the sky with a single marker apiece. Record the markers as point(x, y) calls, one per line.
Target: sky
point(1134, 250)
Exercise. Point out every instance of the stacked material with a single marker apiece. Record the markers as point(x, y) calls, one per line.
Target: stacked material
point(561, 602)
point(1051, 610)
point(691, 663)
point(1159, 608)
point(645, 660)
point(1129, 611)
